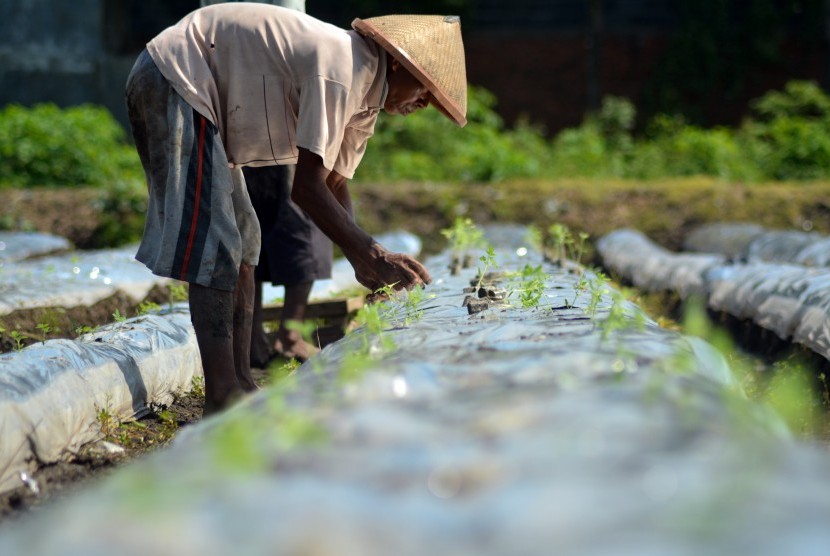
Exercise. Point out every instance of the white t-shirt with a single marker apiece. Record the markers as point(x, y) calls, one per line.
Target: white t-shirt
point(273, 79)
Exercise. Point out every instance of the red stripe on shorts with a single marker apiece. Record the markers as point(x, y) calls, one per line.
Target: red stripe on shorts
point(196, 198)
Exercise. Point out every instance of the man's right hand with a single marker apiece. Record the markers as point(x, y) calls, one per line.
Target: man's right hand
point(375, 267)
point(384, 268)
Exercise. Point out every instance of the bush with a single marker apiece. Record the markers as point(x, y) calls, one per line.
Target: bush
point(427, 146)
point(72, 147)
point(789, 138)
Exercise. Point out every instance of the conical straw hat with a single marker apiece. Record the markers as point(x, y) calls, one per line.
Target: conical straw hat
point(430, 48)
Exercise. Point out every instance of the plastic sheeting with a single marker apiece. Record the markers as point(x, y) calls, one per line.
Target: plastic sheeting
point(75, 279)
point(16, 246)
point(727, 238)
point(51, 392)
point(650, 267)
point(83, 278)
point(752, 243)
point(510, 431)
point(790, 300)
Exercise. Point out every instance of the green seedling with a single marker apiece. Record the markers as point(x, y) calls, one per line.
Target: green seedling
point(147, 307)
point(279, 372)
point(82, 329)
point(107, 420)
point(176, 294)
point(579, 249)
point(579, 287)
point(561, 239)
point(18, 337)
point(118, 316)
point(463, 235)
point(530, 283)
point(307, 329)
point(412, 304)
point(534, 237)
point(598, 287)
point(197, 386)
point(44, 330)
point(488, 260)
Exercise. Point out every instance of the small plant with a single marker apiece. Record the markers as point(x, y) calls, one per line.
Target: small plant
point(119, 317)
point(279, 372)
point(197, 386)
point(531, 285)
point(307, 329)
point(107, 420)
point(412, 304)
point(82, 329)
point(488, 260)
point(618, 318)
point(463, 237)
point(18, 338)
point(534, 237)
point(169, 424)
point(598, 287)
point(177, 293)
point(147, 307)
point(579, 246)
point(579, 287)
point(561, 239)
point(45, 329)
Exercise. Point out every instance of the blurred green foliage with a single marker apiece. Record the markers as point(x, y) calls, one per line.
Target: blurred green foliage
point(80, 146)
point(787, 137)
point(64, 147)
point(427, 146)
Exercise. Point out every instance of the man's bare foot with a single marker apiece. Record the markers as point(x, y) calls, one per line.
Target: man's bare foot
point(290, 344)
point(262, 352)
point(216, 406)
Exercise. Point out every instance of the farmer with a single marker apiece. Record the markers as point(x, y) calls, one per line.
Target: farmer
point(236, 85)
point(294, 251)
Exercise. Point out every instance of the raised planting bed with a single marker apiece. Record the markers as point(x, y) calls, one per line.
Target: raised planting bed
point(564, 423)
point(791, 301)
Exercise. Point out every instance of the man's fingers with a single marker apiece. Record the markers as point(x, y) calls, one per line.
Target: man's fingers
point(420, 270)
point(410, 277)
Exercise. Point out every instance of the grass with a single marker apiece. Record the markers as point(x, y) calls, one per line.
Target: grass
point(665, 210)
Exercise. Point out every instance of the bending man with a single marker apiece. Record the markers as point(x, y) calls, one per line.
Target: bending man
point(235, 85)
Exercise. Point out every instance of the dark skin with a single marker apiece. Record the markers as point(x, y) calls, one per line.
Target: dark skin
point(222, 320)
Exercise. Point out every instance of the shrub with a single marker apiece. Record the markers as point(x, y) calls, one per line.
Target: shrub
point(78, 146)
point(789, 137)
point(427, 146)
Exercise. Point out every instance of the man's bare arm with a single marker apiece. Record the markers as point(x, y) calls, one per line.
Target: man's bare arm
point(374, 266)
point(339, 186)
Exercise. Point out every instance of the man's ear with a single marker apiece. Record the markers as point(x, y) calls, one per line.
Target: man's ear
point(394, 65)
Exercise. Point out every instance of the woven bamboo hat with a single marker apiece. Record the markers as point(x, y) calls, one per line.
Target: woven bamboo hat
point(430, 48)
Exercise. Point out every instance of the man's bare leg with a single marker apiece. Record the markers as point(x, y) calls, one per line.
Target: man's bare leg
point(290, 343)
point(211, 312)
point(242, 321)
point(261, 349)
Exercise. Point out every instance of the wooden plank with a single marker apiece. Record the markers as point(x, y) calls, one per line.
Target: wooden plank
point(329, 308)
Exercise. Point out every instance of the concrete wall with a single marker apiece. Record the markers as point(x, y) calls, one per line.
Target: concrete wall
point(551, 60)
point(76, 52)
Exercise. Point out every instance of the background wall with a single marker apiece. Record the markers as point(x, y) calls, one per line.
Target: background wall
point(548, 60)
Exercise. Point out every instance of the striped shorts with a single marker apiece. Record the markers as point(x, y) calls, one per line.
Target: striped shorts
point(200, 224)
